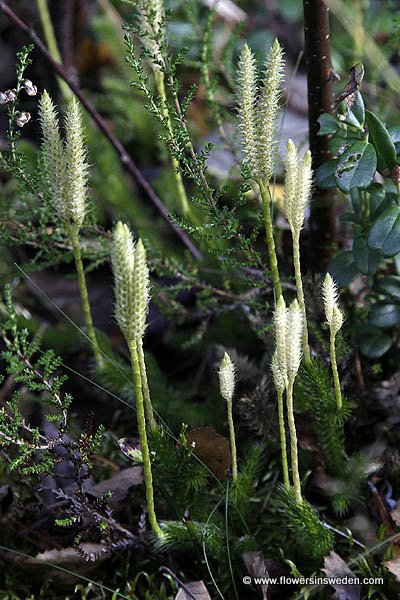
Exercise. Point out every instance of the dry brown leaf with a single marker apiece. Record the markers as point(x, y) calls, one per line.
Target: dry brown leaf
point(334, 566)
point(197, 590)
point(256, 567)
point(394, 567)
point(212, 449)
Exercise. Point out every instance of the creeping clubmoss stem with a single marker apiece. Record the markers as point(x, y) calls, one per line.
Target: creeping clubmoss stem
point(145, 386)
point(269, 233)
point(293, 442)
point(73, 231)
point(300, 293)
point(148, 478)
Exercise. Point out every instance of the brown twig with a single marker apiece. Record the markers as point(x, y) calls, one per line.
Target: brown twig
point(126, 161)
point(320, 99)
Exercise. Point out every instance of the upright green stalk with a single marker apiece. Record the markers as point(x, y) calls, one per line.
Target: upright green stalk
point(334, 318)
point(148, 478)
point(335, 373)
point(51, 41)
point(293, 442)
point(269, 233)
point(74, 237)
point(131, 279)
point(145, 385)
point(180, 188)
point(300, 293)
point(227, 376)
point(282, 436)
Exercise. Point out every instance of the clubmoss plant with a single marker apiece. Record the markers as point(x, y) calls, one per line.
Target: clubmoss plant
point(152, 30)
point(68, 173)
point(280, 389)
point(131, 278)
point(227, 375)
point(298, 184)
point(288, 337)
point(258, 108)
point(334, 317)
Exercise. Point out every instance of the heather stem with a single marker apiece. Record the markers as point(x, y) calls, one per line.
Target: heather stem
point(300, 293)
point(293, 442)
point(148, 478)
point(74, 237)
point(180, 188)
point(282, 435)
point(269, 232)
point(145, 386)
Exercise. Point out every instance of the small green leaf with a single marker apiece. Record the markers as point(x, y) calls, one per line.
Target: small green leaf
point(394, 132)
point(349, 217)
point(385, 232)
point(380, 138)
point(328, 124)
point(385, 315)
point(343, 269)
point(356, 167)
point(325, 175)
point(390, 284)
point(367, 260)
point(374, 343)
point(352, 113)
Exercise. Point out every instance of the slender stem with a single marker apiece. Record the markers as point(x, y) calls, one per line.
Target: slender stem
point(74, 236)
point(148, 478)
point(180, 188)
point(300, 293)
point(269, 232)
point(336, 381)
point(282, 435)
point(145, 386)
point(51, 41)
point(233, 441)
point(293, 442)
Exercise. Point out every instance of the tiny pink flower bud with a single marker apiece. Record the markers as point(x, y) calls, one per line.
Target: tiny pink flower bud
point(30, 89)
point(11, 95)
point(23, 119)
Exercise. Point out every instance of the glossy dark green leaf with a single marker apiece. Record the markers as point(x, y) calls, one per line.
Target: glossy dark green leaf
point(352, 113)
point(385, 314)
point(382, 142)
point(343, 269)
point(325, 175)
point(328, 125)
point(374, 343)
point(349, 217)
point(390, 284)
point(385, 232)
point(394, 132)
point(356, 167)
point(366, 260)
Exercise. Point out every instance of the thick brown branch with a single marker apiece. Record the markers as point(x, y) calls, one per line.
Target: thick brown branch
point(320, 100)
point(126, 161)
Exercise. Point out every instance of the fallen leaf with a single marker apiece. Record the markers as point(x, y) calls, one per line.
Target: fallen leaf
point(197, 590)
point(394, 567)
point(119, 485)
point(257, 567)
point(335, 567)
point(212, 449)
